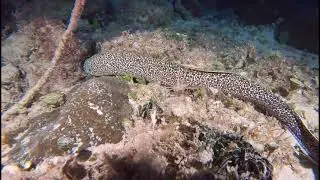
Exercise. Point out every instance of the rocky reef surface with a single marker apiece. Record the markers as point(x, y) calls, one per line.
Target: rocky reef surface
point(82, 127)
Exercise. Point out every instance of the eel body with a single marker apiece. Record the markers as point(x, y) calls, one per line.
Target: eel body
point(169, 74)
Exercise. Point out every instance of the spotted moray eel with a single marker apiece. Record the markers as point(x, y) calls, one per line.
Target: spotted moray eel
point(170, 74)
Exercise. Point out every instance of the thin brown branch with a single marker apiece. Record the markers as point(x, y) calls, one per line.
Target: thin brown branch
point(28, 97)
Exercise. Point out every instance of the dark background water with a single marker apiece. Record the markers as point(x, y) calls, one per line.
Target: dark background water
point(297, 20)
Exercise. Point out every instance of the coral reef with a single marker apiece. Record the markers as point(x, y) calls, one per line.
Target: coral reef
point(59, 51)
point(157, 158)
point(122, 127)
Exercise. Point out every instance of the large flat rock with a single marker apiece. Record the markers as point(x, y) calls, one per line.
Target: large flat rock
point(92, 115)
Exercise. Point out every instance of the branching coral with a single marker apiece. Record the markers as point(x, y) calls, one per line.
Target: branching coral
point(28, 97)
